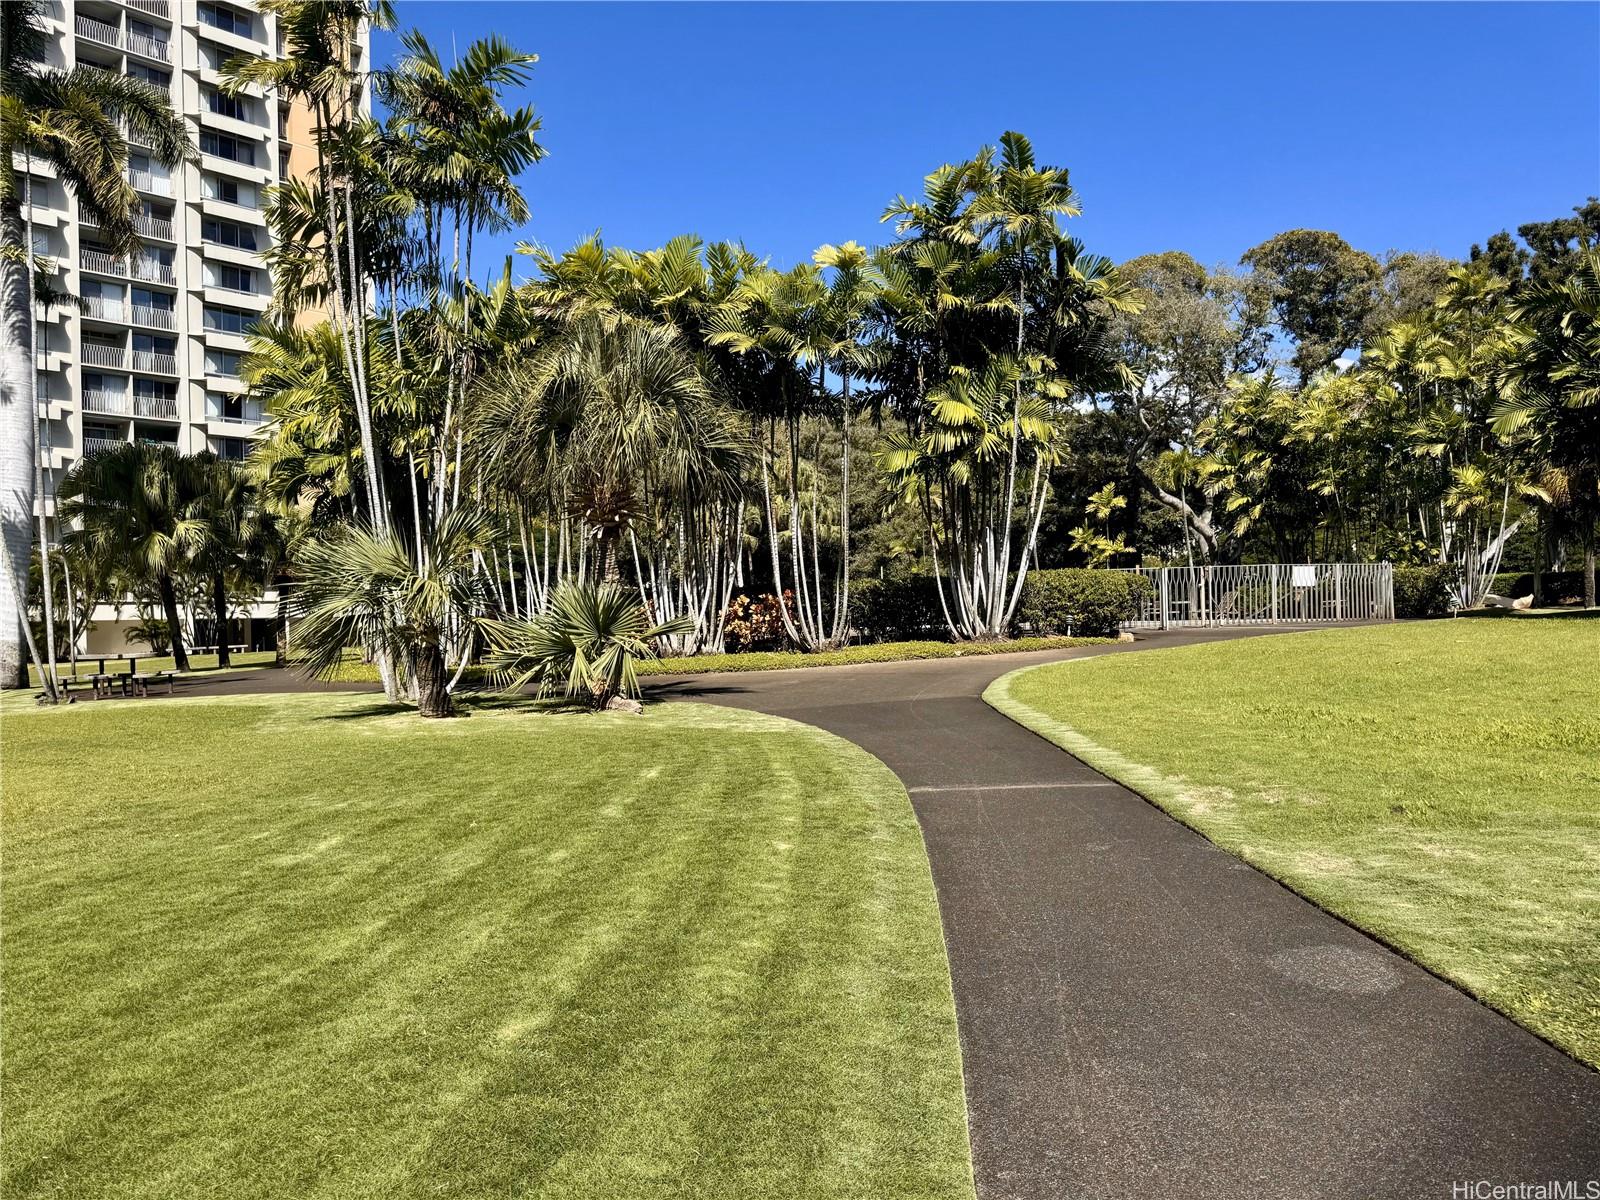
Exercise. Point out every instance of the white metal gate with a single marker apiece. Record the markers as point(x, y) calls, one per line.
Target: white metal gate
point(1265, 594)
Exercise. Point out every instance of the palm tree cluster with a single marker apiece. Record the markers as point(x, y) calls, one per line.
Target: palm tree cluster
point(183, 531)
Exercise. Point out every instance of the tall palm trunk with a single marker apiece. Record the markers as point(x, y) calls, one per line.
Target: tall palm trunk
point(47, 590)
point(169, 606)
point(18, 434)
point(219, 606)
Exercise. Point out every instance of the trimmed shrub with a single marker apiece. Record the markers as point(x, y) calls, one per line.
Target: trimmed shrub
point(901, 608)
point(1426, 591)
point(1081, 601)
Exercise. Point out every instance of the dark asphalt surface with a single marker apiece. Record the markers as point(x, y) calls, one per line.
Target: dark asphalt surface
point(1143, 1014)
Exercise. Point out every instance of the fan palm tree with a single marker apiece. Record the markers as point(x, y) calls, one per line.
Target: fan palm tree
point(136, 511)
point(605, 417)
point(359, 587)
point(584, 648)
point(74, 122)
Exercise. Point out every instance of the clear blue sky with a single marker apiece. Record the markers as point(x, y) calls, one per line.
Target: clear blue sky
point(1200, 127)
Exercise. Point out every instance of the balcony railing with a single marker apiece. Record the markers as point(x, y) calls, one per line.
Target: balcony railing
point(148, 181)
point(155, 318)
point(165, 407)
point(155, 363)
point(97, 355)
point(105, 264)
point(153, 270)
point(150, 47)
point(102, 401)
point(156, 8)
point(99, 31)
point(94, 445)
point(156, 227)
point(105, 307)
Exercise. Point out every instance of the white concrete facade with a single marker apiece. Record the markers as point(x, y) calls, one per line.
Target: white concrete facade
point(153, 352)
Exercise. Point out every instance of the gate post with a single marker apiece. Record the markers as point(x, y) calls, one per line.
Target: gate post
point(1273, 568)
point(1163, 594)
point(1338, 591)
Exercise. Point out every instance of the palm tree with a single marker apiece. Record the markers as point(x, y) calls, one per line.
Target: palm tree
point(359, 587)
point(136, 511)
point(585, 647)
point(613, 427)
point(74, 122)
point(1019, 203)
point(1551, 400)
point(238, 542)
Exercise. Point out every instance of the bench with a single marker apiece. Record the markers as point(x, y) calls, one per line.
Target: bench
point(143, 681)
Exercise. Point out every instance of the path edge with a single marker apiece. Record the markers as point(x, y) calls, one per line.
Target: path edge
point(1156, 789)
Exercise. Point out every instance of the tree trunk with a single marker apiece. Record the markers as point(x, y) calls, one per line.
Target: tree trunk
point(280, 657)
point(1588, 562)
point(219, 606)
point(432, 681)
point(18, 430)
point(169, 605)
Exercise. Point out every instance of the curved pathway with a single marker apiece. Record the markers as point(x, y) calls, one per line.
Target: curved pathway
point(1142, 1013)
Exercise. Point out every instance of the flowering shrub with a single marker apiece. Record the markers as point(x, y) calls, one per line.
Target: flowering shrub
point(755, 624)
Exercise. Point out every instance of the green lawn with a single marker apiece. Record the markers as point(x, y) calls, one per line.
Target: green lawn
point(309, 946)
point(1437, 784)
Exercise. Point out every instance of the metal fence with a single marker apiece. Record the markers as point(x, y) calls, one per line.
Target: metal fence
point(1265, 594)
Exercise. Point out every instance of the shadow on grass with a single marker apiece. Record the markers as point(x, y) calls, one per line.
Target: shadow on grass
point(1535, 614)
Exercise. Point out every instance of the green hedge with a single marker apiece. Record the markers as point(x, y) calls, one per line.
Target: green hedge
point(897, 609)
point(1427, 591)
point(1081, 601)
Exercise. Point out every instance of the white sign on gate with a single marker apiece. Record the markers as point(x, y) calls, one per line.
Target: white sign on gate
point(1303, 575)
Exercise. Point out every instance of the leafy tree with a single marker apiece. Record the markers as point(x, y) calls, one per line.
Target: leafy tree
point(1551, 402)
point(1322, 292)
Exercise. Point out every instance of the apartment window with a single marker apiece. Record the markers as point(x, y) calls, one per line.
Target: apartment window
point(146, 343)
point(154, 76)
point(229, 191)
point(156, 33)
point(222, 362)
point(232, 449)
point(228, 320)
point(235, 279)
point(232, 406)
point(158, 437)
point(229, 20)
point(145, 298)
point(227, 233)
point(225, 105)
point(154, 389)
point(106, 433)
point(220, 145)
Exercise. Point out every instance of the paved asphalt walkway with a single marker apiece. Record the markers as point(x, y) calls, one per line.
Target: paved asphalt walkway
point(1143, 1014)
